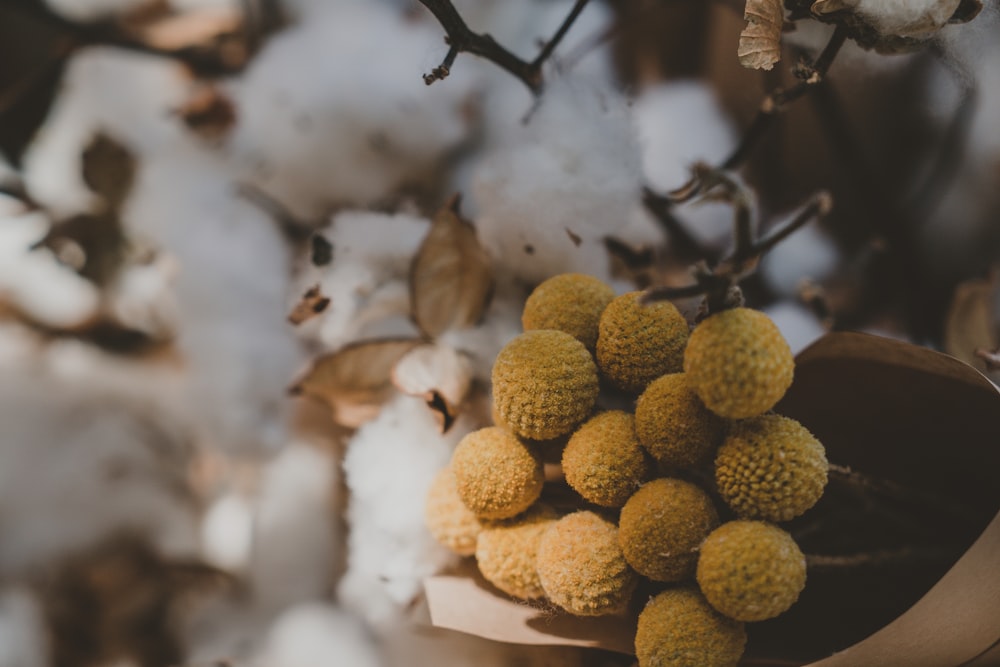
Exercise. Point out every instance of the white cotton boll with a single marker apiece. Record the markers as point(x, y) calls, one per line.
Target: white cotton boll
point(907, 18)
point(806, 254)
point(227, 532)
point(34, 280)
point(550, 193)
point(679, 124)
point(501, 324)
point(319, 635)
point(230, 289)
point(389, 466)
point(335, 110)
point(141, 297)
point(76, 468)
point(23, 635)
point(93, 10)
point(294, 528)
point(367, 281)
point(799, 325)
point(20, 346)
point(126, 95)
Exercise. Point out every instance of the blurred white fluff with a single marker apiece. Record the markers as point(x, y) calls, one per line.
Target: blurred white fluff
point(367, 280)
point(806, 254)
point(227, 532)
point(34, 280)
point(126, 95)
point(389, 465)
point(231, 287)
point(294, 536)
point(797, 324)
point(319, 635)
point(23, 635)
point(97, 466)
point(329, 114)
point(681, 123)
point(93, 10)
point(908, 18)
point(570, 175)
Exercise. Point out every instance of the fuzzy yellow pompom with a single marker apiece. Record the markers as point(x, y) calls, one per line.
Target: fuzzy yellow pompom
point(678, 628)
point(581, 566)
point(497, 475)
point(449, 521)
point(506, 552)
point(674, 425)
point(738, 363)
point(770, 468)
point(569, 302)
point(638, 343)
point(661, 527)
point(751, 570)
point(603, 460)
point(544, 384)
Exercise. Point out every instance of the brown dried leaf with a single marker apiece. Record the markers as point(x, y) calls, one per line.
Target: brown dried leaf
point(440, 375)
point(760, 41)
point(309, 306)
point(355, 380)
point(969, 324)
point(168, 31)
point(451, 279)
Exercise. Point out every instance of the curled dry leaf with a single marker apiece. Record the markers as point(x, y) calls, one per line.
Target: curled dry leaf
point(309, 306)
point(760, 41)
point(969, 325)
point(440, 375)
point(451, 279)
point(355, 381)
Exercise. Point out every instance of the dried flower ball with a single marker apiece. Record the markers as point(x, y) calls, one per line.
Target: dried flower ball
point(497, 475)
point(638, 343)
point(678, 628)
point(770, 468)
point(738, 363)
point(603, 460)
point(582, 568)
point(450, 522)
point(544, 384)
point(569, 302)
point(662, 525)
point(751, 570)
point(506, 552)
point(674, 425)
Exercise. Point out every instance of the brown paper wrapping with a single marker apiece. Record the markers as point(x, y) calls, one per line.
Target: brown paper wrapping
point(886, 408)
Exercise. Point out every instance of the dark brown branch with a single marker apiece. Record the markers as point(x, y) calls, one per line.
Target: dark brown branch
point(682, 241)
point(819, 206)
point(462, 39)
point(776, 102)
point(881, 558)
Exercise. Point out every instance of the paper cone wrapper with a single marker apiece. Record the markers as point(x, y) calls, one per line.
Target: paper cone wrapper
point(894, 411)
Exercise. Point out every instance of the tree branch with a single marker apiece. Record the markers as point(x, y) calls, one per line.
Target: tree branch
point(462, 39)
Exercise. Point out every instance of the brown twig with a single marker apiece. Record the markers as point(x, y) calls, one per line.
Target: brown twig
point(881, 558)
point(462, 39)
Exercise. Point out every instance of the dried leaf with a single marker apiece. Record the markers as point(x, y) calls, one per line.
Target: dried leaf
point(760, 41)
point(451, 280)
point(356, 380)
point(168, 31)
point(310, 305)
point(969, 324)
point(440, 375)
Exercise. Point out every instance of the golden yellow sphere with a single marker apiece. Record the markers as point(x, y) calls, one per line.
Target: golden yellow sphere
point(751, 570)
point(544, 384)
point(603, 460)
point(674, 425)
point(506, 552)
point(770, 467)
point(497, 475)
point(638, 343)
point(738, 363)
point(662, 525)
point(678, 628)
point(582, 568)
point(449, 521)
point(569, 302)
